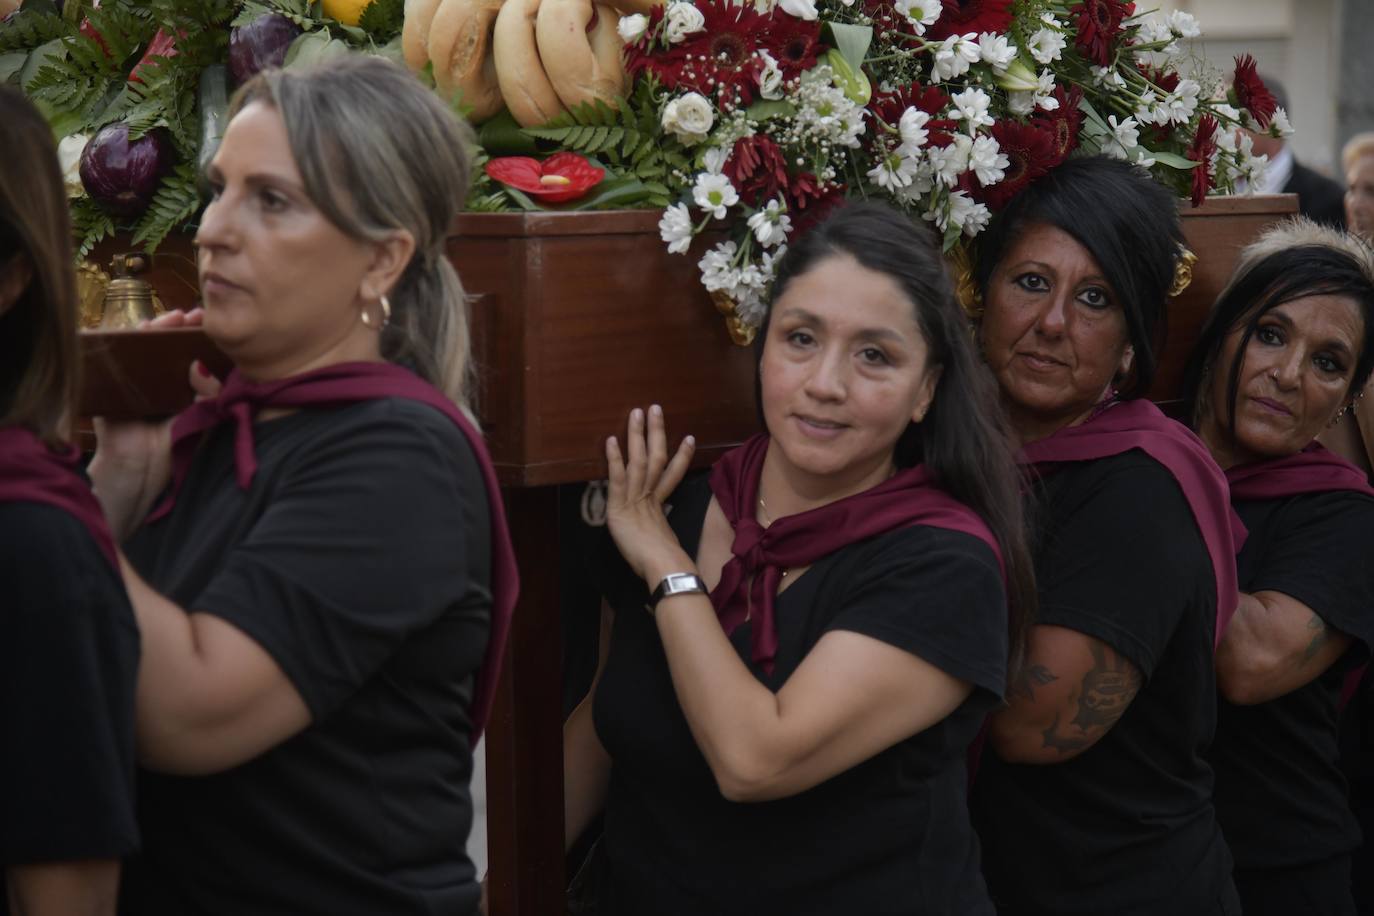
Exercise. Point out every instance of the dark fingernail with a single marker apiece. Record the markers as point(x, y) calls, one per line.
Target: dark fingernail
point(203, 369)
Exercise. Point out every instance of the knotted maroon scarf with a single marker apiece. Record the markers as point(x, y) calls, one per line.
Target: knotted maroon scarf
point(1140, 424)
point(337, 386)
point(760, 554)
point(30, 472)
point(1312, 470)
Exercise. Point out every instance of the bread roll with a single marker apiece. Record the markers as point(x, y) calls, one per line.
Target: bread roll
point(525, 87)
point(419, 15)
point(581, 50)
point(460, 49)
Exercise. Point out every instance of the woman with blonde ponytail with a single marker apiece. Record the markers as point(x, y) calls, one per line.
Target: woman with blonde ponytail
point(315, 551)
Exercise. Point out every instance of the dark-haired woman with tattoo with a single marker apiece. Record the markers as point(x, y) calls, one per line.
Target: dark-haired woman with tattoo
point(1281, 357)
point(1093, 795)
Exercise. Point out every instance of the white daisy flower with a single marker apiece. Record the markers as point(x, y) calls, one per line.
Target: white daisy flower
point(675, 228)
point(714, 194)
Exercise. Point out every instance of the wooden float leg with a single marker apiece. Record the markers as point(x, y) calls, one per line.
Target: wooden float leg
point(525, 737)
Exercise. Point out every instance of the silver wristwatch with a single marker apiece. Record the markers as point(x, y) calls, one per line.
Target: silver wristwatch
point(676, 584)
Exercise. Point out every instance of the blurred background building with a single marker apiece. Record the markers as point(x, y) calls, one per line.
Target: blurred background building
point(1319, 50)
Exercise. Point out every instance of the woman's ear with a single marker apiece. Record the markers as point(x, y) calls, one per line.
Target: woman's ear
point(15, 276)
point(927, 392)
point(1127, 360)
point(390, 257)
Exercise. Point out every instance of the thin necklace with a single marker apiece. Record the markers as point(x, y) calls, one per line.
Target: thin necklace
point(768, 520)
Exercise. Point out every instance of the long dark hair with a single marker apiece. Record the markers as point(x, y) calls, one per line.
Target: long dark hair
point(39, 365)
point(1293, 260)
point(963, 438)
point(1126, 220)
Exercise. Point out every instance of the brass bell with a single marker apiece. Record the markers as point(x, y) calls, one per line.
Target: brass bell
point(129, 298)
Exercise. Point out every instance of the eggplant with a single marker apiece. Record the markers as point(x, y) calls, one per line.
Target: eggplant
point(122, 175)
point(260, 45)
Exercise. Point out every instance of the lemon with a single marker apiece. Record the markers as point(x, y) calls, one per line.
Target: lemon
point(346, 11)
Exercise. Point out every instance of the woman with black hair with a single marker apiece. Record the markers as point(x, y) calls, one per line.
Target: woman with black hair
point(804, 650)
point(1281, 357)
point(69, 646)
point(1094, 796)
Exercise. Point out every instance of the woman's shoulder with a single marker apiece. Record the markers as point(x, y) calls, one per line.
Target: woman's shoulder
point(396, 425)
point(42, 546)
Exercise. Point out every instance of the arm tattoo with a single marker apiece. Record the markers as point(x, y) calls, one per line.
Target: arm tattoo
point(1030, 677)
point(1107, 690)
point(1319, 638)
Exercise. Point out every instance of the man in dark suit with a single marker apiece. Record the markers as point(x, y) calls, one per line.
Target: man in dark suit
point(1319, 198)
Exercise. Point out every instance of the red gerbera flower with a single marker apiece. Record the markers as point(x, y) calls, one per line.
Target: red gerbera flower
point(640, 55)
point(963, 16)
point(1030, 154)
point(1099, 23)
point(810, 201)
point(1200, 151)
point(888, 106)
point(1165, 80)
point(717, 59)
point(757, 168)
point(1063, 123)
point(1251, 93)
point(794, 43)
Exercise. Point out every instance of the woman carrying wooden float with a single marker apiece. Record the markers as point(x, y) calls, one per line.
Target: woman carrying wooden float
point(804, 649)
point(1093, 795)
point(324, 588)
point(1282, 356)
point(68, 641)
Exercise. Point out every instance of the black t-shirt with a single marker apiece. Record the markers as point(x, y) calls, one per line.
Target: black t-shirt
point(1280, 794)
point(891, 835)
point(359, 559)
point(1127, 826)
point(68, 664)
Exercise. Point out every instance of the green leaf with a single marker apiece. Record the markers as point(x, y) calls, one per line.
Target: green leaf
point(30, 29)
point(176, 201)
point(382, 19)
point(852, 42)
point(501, 135)
point(11, 63)
point(314, 47)
point(90, 225)
point(850, 80)
point(1172, 160)
point(763, 109)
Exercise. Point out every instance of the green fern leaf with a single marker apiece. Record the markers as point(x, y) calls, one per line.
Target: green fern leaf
point(174, 203)
point(28, 30)
point(90, 225)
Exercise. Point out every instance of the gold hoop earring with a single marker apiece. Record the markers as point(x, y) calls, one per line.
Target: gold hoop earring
point(386, 314)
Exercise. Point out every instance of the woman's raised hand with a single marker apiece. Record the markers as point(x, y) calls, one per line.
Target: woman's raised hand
point(640, 481)
point(132, 462)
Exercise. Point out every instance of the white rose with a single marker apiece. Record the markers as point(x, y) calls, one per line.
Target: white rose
point(802, 9)
point(681, 20)
point(631, 28)
point(770, 77)
point(689, 118)
point(69, 157)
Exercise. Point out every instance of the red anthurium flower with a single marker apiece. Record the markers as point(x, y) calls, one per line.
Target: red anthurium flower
point(1251, 93)
point(1200, 151)
point(562, 176)
point(162, 45)
point(963, 16)
point(1099, 23)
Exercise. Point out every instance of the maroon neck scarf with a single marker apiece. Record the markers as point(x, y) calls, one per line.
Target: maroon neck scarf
point(30, 472)
point(337, 386)
point(761, 554)
point(1140, 424)
point(1312, 470)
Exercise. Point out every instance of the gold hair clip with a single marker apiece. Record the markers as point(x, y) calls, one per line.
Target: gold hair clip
point(1183, 271)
